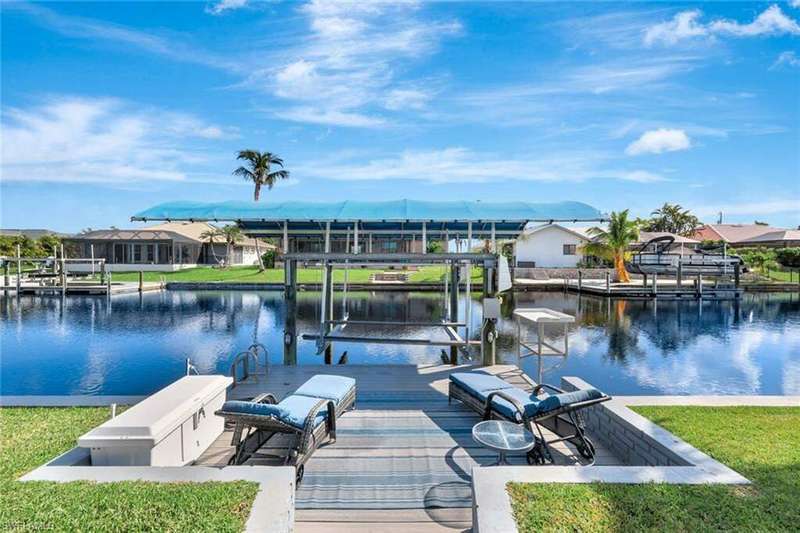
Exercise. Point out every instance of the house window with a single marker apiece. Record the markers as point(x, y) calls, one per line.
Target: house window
point(570, 249)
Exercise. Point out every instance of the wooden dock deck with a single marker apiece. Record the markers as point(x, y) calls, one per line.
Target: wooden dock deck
point(403, 457)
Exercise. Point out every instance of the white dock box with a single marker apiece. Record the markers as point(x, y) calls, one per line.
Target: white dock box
point(173, 427)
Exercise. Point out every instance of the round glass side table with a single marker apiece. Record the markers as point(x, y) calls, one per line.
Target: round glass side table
point(503, 437)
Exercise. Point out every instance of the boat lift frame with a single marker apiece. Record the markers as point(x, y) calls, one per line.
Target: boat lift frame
point(332, 329)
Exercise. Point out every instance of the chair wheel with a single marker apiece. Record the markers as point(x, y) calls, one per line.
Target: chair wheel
point(299, 475)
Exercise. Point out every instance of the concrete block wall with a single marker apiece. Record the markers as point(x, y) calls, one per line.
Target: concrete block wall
point(622, 431)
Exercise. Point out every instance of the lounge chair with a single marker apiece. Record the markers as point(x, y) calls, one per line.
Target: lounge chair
point(308, 416)
point(559, 412)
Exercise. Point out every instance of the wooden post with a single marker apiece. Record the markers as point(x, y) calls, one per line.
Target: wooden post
point(327, 237)
point(469, 236)
point(108, 280)
point(736, 272)
point(494, 239)
point(580, 280)
point(608, 282)
point(290, 318)
point(6, 277)
point(454, 272)
point(699, 285)
point(680, 271)
point(141, 281)
point(91, 246)
point(644, 280)
point(356, 244)
point(655, 284)
point(424, 238)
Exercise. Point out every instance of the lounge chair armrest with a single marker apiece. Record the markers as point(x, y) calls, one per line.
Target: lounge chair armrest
point(538, 388)
point(309, 426)
point(265, 398)
point(513, 401)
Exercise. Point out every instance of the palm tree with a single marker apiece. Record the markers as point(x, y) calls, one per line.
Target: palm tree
point(209, 235)
point(613, 243)
point(258, 169)
point(232, 234)
point(674, 219)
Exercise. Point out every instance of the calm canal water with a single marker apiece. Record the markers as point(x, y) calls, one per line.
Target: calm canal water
point(136, 344)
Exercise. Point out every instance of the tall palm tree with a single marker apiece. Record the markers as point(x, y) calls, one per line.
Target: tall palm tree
point(258, 169)
point(613, 243)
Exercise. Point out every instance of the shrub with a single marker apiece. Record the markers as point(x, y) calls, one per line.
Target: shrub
point(788, 257)
point(268, 258)
point(760, 258)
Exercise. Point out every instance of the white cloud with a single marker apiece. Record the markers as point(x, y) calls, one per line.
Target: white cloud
point(658, 141)
point(330, 117)
point(684, 25)
point(461, 165)
point(788, 58)
point(348, 66)
point(402, 99)
point(92, 29)
point(225, 5)
point(71, 139)
point(794, 3)
point(687, 25)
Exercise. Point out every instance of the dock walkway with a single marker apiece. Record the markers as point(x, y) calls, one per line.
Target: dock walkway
point(403, 457)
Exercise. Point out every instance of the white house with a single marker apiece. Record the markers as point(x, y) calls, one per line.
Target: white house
point(549, 246)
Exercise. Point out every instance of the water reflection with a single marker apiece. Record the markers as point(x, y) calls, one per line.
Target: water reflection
point(135, 344)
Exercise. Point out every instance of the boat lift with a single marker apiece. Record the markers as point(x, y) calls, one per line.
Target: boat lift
point(333, 329)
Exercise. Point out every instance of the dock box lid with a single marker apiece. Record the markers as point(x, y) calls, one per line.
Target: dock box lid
point(543, 314)
point(152, 419)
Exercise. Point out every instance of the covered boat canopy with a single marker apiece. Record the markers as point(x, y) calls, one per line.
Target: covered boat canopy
point(398, 217)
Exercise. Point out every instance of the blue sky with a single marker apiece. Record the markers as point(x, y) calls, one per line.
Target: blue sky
point(109, 108)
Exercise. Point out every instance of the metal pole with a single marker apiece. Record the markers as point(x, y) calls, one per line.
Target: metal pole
point(454, 306)
point(489, 326)
point(290, 318)
point(329, 299)
point(141, 281)
point(424, 238)
point(285, 236)
point(19, 269)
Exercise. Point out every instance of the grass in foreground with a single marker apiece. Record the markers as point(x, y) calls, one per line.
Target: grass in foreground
point(248, 274)
point(763, 444)
point(31, 436)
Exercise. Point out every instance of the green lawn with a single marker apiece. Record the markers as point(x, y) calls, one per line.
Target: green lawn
point(763, 444)
point(31, 436)
point(430, 274)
